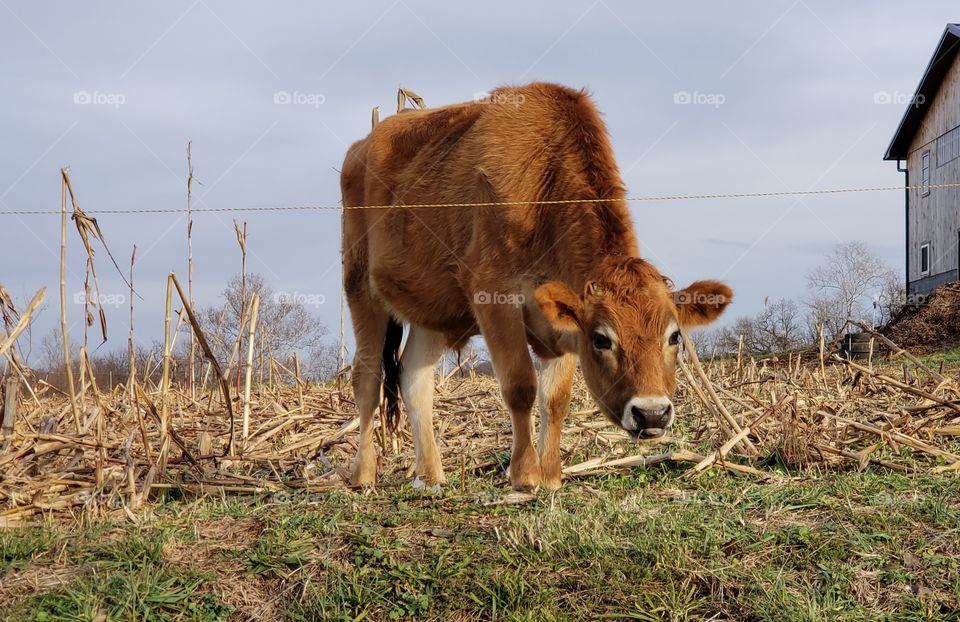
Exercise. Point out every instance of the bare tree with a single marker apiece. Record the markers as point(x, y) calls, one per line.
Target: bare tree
point(322, 362)
point(707, 342)
point(727, 339)
point(842, 287)
point(51, 352)
point(285, 323)
point(891, 299)
point(779, 326)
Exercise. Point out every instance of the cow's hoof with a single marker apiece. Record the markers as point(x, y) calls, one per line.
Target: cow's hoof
point(363, 486)
point(552, 483)
point(529, 481)
point(528, 487)
point(364, 476)
point(421, 484)
point(524, 472)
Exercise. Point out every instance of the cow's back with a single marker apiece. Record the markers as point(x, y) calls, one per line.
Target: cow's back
point(539, 142)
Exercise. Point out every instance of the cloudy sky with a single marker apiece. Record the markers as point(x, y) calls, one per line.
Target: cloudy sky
point(700, 97)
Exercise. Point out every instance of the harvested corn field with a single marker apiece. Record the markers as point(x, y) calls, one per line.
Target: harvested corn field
point(772, 445)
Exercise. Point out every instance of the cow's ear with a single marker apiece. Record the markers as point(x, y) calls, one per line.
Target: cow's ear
point(702, 302)
point(560, 305)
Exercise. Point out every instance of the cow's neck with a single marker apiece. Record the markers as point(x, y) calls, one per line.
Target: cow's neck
point(609, 232)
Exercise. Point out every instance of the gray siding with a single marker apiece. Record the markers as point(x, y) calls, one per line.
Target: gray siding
point(935, 218)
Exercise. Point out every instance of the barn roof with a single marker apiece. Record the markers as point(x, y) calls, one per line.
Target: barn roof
point(929, 85)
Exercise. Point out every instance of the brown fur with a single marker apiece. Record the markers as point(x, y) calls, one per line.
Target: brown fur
point(543, 275)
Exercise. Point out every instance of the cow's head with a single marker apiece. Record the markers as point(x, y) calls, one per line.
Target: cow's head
point(625, 327)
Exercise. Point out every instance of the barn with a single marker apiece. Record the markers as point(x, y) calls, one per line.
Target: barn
point(927, 141)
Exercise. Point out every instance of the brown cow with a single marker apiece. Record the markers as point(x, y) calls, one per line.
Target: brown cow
point(564, 280)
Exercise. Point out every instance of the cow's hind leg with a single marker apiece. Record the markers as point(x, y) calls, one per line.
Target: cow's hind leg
point(503, 329)
point(417, 383)
point(556, 379)
point(370, 321)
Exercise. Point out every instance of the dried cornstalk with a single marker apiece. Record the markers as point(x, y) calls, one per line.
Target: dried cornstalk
point(718, 455)
point(406, 95)
point(201, 339)
point(25, 318)
point(131, 339)
point(165, 377)
point(191, 361)
point(896, 350)
point(900, 385)
point(254, 310)
point(64, 327)
point(744, 443)
point(9, 405)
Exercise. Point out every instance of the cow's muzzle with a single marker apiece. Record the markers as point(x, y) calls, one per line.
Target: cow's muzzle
point(647, 417)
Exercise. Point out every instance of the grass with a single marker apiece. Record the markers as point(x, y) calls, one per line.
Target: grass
point(950, 358)
point(648, 545)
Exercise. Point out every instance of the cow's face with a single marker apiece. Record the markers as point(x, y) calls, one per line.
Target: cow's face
point(626, 328)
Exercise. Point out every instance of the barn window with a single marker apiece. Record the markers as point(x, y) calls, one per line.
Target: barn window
point(925, 259)
point(925, 173)
point(948, 147)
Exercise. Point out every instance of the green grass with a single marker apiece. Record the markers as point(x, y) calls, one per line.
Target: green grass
point(950, 358)
point(648, 545)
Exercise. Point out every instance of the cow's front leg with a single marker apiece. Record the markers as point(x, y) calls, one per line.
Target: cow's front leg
point(556, 379)
point(503, 329)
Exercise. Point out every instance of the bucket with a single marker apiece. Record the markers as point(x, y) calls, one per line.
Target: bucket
point(856, 346)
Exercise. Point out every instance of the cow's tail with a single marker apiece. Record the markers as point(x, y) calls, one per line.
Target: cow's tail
point(391, 373)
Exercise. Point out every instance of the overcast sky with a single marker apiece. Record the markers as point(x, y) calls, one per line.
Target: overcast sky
point(783, 95)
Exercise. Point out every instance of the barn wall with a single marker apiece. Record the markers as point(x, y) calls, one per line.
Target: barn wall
point(935, 218)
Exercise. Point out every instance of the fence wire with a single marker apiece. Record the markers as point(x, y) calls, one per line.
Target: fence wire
point(649, 198)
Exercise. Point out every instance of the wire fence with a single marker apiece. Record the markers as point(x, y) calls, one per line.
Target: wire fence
point(649, 198)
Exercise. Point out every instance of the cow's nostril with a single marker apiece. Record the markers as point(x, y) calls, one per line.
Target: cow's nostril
point(647, 416)
point(650, 417)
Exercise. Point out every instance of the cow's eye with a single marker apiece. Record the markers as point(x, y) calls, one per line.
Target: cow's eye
point(601, 341)
point(674, 338)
